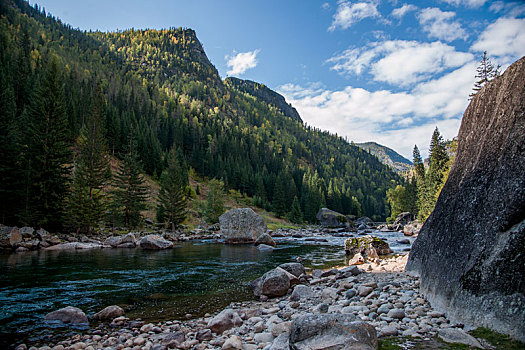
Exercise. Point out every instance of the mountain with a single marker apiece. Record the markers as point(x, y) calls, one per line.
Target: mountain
point(387, 156)
point(160, 89)
point(265, 94)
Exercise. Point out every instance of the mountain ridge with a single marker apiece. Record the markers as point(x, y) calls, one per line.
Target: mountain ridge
point(387, 156)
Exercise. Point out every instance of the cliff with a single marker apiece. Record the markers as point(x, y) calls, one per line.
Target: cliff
point(470, 253)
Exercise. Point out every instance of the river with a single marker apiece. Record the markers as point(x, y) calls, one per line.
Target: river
point(193, 278)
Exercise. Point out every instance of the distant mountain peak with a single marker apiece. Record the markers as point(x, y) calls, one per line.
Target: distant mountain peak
point(387, 156)
point(266, 94)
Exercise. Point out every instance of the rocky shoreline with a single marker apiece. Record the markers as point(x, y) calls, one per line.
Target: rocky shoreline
point(378, 300)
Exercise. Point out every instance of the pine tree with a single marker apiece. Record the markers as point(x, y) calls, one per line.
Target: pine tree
point(484, 73)
point(172, 198)
point(130, 193)
point(214, 201)
point(86, 204)
point(48, 152)
point(295, 215)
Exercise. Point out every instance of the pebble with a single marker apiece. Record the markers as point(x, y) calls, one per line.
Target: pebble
point(389, 301)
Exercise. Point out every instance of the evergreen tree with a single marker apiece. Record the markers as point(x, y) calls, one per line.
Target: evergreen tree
point(172, 198)
point(86, 204)
point(48, 152)
point(295, 215)
point(279, 197)
point(214, 201)
point(419, 167)
point(433, 176)
point(9, 154)
point(484, 73)
point(398, 201)
point(130, 193)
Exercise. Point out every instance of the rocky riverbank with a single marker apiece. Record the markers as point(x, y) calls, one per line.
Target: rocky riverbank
point(376, 300)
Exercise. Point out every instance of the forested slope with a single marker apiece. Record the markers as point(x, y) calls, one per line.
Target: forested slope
point(159, 87)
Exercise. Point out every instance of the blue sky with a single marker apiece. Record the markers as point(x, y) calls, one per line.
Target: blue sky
point(388, 71)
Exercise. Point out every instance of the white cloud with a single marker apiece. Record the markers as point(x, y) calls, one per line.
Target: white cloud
point(439, 24)
point(510, 9)
point(504, 38)
point(403, 10)
point(396, 119)
point(241, 62)
point(400, 62)
point(349, 13)
point(467, 3)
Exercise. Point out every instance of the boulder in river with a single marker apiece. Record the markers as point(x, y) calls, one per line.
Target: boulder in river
point(330, 218)
point(265, 239)
point(369, 246)
point(68, 315)
point(154, 242)
point(332, 331)
point(404, 218)
point(274, 283)
point(241, 225)
point(412, 228)
point(109, 313)
point(75, 245)
point(470, 253)
point(9, 236)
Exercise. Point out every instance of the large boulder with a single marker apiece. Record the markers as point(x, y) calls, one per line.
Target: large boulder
point(274, 283)
point(68, 315)
point(9, 236)
point(369, 246)
point(225, 320)
point(330, 218)
point(154, 242)
point(332, 331)
point(296, 269)
point(241, 225)
point(75, 245)
point(470, 253)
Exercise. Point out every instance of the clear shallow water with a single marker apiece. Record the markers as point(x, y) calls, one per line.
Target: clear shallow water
point(194, 277)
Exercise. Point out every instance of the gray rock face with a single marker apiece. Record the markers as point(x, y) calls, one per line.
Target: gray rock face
point(75, 245)
point(69, 315)
point(330, 218)
point(109, 313)
point(241, 225)
point(265, 239)
point(331, 331)
point(470, 253)
point(154, 242)
point(225, 320)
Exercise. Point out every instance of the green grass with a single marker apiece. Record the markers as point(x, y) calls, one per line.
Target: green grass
point(389, 344)
point(500, 341)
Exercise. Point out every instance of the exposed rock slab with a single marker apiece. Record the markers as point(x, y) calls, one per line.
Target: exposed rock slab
point(470, 252)
point(241, 225)
point(154, 242)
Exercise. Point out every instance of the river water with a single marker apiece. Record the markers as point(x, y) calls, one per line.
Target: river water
point(195, 277)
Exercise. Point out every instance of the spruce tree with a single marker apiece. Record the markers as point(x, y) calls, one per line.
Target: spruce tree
point(86, 204)
point(172, 198)
point(419, 167)
point(214, 201)
point(484, 73)
point(295, 215)
point(48, 152)
point(130, 193)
